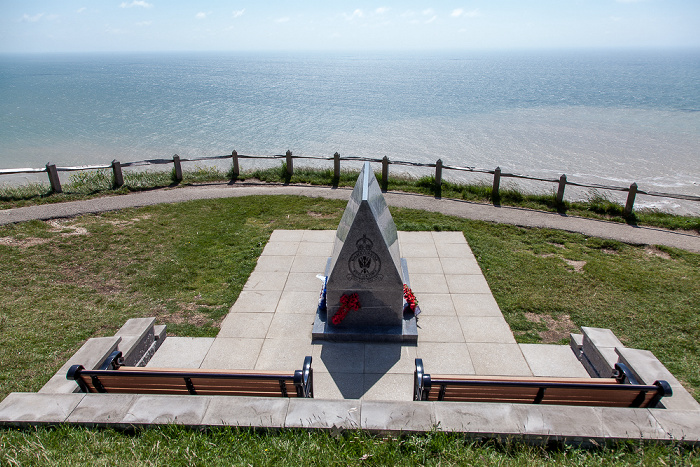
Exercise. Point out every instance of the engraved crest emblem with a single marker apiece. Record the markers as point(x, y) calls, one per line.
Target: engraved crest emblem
point(364, 264)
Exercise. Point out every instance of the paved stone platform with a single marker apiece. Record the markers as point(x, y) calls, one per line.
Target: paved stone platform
point(460, 331)
point(367, 386)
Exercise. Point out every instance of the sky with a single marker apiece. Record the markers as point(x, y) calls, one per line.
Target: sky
point(51, 26)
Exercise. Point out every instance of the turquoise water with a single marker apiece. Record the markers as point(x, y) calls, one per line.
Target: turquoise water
point(600, 117)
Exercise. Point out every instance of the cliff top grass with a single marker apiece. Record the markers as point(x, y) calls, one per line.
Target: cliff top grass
point(90, 184)
point(66, 281)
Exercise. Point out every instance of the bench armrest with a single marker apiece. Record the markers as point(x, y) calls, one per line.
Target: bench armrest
point(304, 380)
point(421, 382)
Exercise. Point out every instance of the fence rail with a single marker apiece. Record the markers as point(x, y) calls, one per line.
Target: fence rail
point(116, 166)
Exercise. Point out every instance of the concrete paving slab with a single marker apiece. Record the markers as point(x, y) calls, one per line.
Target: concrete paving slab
point(416, 237)
point(304, 282)
point(428, 283)
point(476, 304)
point(92, 353)
point(499, 420)
point(266, 281)
point(453, 250)
point(274, 263)
point(338, 385)
point(257, 301)
point(248, 325)
point(467, 283)
point(284, 325)
point(102, 409)
point(280, 249)
point(417, 250)
point(35, 408)
point(319, 236)
point(445, 358)
point(424, 266)
point(234, 354)
point(554, 422)
point(389, 358)
point(265, 412)
point(679, 425)
point(460, 266)
point(314, 264)
point(159, 409)
point(553, 360)
point(486, 329)
point(448, 237)
point(439, 329)
point(317, 413)
point(58, 384)
point(433, 304)
point(647, 369)
point(397, 417)
point(181, 352)
point(599, 349)
point(293, 301)
point(498, 359)
point(339, 357)
point(388, 387)
point(324, 249)
point(283, 354)
point(625, 423)
point(281, 235)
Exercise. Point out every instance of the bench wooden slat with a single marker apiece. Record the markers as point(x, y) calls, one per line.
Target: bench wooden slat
point(112, 378)
point(604, 392)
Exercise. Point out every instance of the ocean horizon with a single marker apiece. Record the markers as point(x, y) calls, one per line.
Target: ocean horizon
point(600, 117)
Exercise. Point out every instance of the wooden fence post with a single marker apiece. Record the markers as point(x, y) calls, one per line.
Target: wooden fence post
point(496, 184)
point(117, 171)
point(630, 199)
point(234, 169)
point(438, 173)
point(560, 191)
point(178, 168)
point(53, 178)
point(385, 173)
point(336, 165)
point(290, 164)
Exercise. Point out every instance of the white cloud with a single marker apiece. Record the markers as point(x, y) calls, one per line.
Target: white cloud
point(144, 23)
point(381, 10)
point(461, 13)
point(139, 3)
point(428, 12)
point(31, 19)
point(431, 19)
point(284, 19)
point(238, 13)
point(200, 15)
point(81, 10)
point(355, 14)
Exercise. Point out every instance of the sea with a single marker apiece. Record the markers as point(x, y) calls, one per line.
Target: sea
point(606, 117)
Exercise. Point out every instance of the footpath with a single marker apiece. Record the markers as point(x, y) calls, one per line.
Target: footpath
point(637, 235)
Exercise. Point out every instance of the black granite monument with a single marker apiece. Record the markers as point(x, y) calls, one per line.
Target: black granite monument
point(365, 275)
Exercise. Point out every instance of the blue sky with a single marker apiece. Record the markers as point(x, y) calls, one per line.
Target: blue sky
point(177, 25)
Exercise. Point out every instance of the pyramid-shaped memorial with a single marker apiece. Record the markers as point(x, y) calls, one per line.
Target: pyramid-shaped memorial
point(365, 274)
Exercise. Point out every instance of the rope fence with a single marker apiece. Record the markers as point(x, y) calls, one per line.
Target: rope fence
point(116, 167)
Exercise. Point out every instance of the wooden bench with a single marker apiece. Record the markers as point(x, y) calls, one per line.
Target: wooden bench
point(113, 378)
point(622, 390)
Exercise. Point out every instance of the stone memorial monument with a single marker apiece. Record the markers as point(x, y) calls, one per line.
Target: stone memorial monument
point(365, 276)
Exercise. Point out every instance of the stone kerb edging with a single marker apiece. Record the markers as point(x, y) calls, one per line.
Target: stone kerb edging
point(532, 423)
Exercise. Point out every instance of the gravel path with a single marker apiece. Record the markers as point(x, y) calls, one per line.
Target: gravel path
point(470, 210)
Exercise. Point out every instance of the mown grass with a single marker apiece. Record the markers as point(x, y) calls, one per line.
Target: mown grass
point(175, 446)
point(83, 185)
point(186, 263)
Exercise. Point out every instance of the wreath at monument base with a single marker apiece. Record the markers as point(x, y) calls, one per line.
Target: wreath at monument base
point(410, 301)
point(348, 303)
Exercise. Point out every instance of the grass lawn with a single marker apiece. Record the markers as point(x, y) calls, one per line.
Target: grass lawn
point(65, 281)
